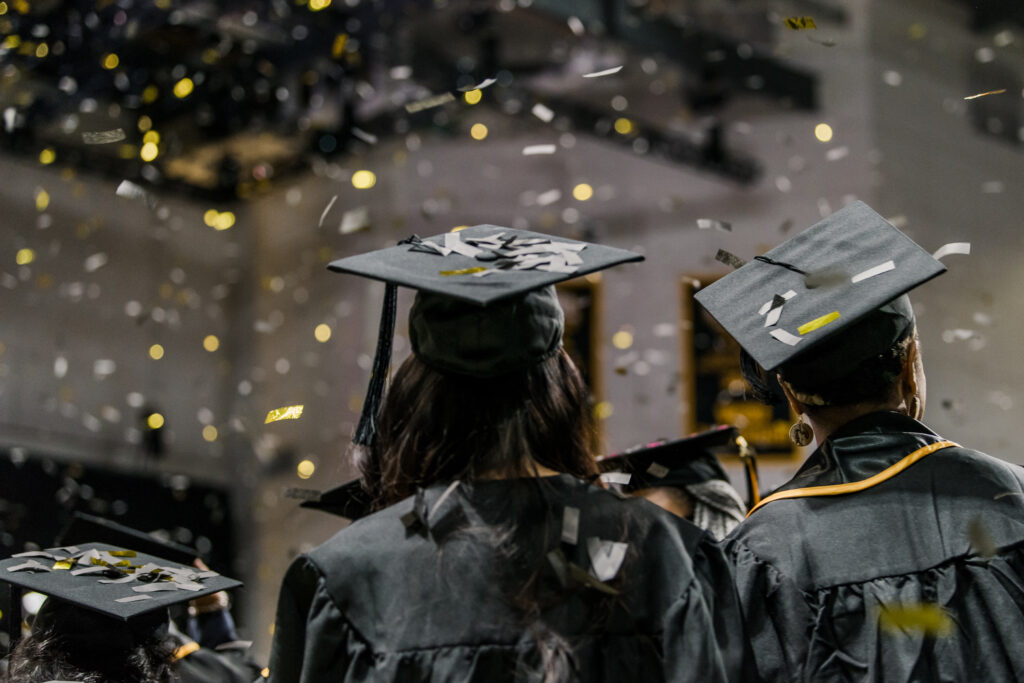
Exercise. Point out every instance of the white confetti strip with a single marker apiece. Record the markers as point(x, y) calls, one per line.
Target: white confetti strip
point(576, 26)
point(542, 112)
point(605, 557)
point(786, 337)
point(606, 72)
point(657, 470)
point(953, 248)
point(327, 210)
point(454, 242)
point(487, 82)
point(773, 317)
point(621, 478)
point(368, 138)
point(532, 150)
point(570, 524)
point(871, 272)
point(768, 304)
point(134, 598)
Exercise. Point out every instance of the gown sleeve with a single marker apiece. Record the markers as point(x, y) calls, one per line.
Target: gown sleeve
point(691, 653)
point(776, 616)
point(715, 574)
point(311, 635)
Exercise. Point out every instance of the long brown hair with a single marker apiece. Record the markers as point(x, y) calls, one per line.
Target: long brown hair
point(436, 427)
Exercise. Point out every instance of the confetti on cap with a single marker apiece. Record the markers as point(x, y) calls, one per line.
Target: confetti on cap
point(286, 413)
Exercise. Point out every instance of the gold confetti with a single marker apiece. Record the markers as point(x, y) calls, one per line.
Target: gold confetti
point(122, 553)
point(286, 413)
point(63, 564)
point(800, 23)
point(983, 94)
point(818, 323)
point(464, 271)
point(927, 618)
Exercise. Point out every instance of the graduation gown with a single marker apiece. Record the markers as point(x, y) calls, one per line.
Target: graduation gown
point(821, 576)
point(393, 600)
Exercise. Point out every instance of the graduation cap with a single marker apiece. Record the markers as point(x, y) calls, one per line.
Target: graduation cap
point(348, 500)
point(485, 303)
point(84, 528)
point(678, 463)
point(836, 288)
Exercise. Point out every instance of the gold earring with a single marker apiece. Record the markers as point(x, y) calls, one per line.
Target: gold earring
point(801, 433)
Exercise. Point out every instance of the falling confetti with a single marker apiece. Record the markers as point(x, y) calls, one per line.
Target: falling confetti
point(532, 150)
point(800, 23)
point(985, 94)
point(606, 72)
point(286, 413)
point(430, 102)
point(103, 137)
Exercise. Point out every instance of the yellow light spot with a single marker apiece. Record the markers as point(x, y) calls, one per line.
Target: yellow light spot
point(622, 339)
point(126, 151)
point(364, 180)
point(917, 31)
point(266, 670)
point(603, 410)
point(478, 131)
point(149, 151)
point(12, 42)
point(42, 199)
point(286, 413)
point(623, 126)
point(224, 220)
point(210, 433)
point(823, 132)
point(156, 352)
point(317, 5)
point(151, 136)
point(322, 332)
point(110, 61)
point(210, 216)
point(155, 421)
point(582, 192)
point(24, 257)
point(338, 48)
point(211, 343)
point(183, 88)
point(47, 156)
point(149, 95)
point(306, 469)
point(3, 8)
point(473, 96)
point(42, 50)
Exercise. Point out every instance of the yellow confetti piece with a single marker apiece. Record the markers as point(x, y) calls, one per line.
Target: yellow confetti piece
point(63, 564)
point(464, 271)
point(818, 323)
point(983, 94)
point(339, 45)
point(286, 413)
point(927, 618)
point(122, 553)
point(800, 23)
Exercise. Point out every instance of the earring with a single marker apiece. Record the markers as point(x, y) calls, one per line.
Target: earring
point(801, 433)
point(915, 408)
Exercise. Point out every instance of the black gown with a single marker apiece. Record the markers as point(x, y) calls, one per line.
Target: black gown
point(393, 600)
point(820, 576)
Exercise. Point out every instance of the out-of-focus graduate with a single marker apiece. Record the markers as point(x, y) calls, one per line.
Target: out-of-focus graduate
point(489, 554)
point(892, 554)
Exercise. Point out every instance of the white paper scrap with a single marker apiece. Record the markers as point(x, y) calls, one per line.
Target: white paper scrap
point(570, 524)
point(657, 470)
point(786, 337)
point(953, 248)
point(532, 150)
point(454, 242)
point(606, 72)
point(621, 478)
point(542, 112)
point(327, 210)
point(605, 557)
point(871, 272)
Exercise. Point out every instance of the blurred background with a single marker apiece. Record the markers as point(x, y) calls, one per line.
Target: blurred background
point(176, 174)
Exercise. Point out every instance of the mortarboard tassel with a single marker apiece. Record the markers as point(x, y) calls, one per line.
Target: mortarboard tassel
point(379, 373)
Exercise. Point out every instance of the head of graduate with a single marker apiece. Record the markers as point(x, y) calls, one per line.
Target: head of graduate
point(488, 391)
point(824, 321)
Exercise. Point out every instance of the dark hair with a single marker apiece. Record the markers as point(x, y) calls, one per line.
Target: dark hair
point(871, 379)
point(42, 657)
point(436, 427)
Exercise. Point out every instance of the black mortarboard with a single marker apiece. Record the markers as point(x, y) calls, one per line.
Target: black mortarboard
point(115, 581)
point(840, 281)
point(85, 528)
point(678, 463)
point(485, 304)
point(348, 500)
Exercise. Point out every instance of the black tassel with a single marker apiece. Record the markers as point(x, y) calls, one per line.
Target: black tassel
point(379, 374)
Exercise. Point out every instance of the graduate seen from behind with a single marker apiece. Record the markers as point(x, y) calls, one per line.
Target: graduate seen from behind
point(892, 554)
point(491, 556)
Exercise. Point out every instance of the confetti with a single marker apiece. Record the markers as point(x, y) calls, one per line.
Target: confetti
point(769, 305)
point(837, 153)
point(827, 42)
point(542, 112)
point(708, 223)
point(657, 470)
point(786, 337)
point(729, 259)
point(368, 138)
point(621, 478)
point(487, 82)
point(799, 23)
point(354, 220)
point(606, 557)
point(953, 248)
point(985, 94)
point(570, 524)
point(928, 618)
point(134, 598)
point(103, 137)
point(872, 272)
point(606, 72)
point(327, 210)
point(575, 25)
point(430, 102)
point(464, 271)
point(532, 150)
point(95, 262)
point(286, 413)
point(818, 323)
